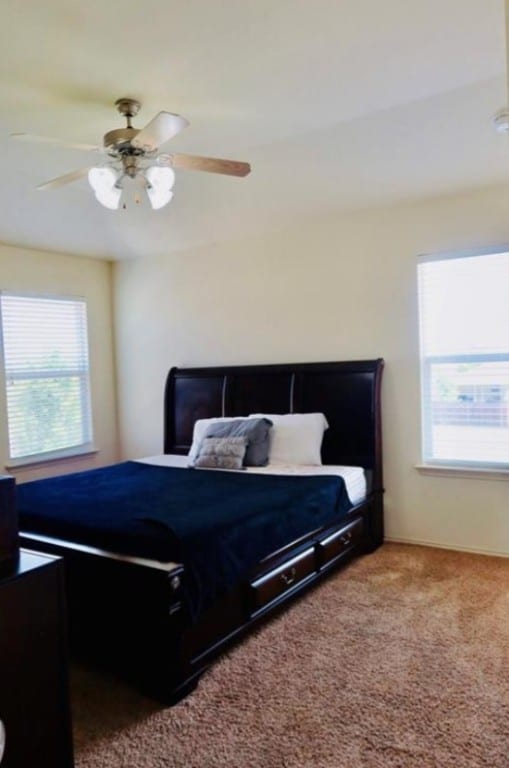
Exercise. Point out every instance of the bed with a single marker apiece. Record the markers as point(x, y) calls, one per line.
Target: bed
point(142, 605)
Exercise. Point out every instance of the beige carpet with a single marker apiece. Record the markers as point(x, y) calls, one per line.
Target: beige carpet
point(401, 659)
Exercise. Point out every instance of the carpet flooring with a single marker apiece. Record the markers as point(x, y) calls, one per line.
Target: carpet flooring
point(400, 660)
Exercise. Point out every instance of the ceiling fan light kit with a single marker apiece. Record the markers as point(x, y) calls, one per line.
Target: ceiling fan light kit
point(133, 157)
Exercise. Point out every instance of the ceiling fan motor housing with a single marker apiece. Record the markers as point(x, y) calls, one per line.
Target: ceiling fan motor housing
point(120, 140)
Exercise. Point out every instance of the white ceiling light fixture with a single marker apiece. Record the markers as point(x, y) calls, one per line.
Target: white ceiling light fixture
point(160, 181)
point(108, 185)
point(133, 155)
point(501, 120)
point(104, 183)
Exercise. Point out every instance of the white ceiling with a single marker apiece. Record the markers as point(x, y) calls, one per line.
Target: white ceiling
point(337, 104)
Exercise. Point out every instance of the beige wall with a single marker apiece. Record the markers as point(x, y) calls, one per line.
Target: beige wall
point(334, 288)
point(47, 273)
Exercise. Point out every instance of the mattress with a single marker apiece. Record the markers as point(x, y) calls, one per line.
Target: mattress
point(354, 477)
point(219, 525)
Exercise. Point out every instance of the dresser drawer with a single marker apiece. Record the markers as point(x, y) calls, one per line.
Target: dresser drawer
point(338, 543)
point(271, 585)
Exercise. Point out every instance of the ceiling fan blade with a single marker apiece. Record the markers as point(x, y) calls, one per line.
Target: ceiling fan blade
point(29, 137)
point(210, 164)
point(65, 179)
point(163, 127)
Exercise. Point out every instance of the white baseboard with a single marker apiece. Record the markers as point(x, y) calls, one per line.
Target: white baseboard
point(453, 547)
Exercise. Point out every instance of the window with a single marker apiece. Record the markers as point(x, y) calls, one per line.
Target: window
point(45, 352)
point(464, 334)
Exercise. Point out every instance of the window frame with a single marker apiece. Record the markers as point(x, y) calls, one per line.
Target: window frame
point(429, 463)
point(87, 447)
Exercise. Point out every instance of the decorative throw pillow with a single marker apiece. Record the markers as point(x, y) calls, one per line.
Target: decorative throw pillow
point(221, 453)
point(201, 426)
point(256, 432)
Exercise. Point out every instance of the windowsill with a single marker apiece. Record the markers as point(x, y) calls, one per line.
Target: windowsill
point(51, 458)
point(472, 473)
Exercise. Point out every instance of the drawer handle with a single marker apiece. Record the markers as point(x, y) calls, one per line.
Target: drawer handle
point(289, 578)
point(346, 538)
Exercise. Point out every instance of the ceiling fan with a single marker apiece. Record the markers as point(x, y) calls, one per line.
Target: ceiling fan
point(132, 156)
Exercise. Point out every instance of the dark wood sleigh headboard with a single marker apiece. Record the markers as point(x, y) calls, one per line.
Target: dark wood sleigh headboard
point(348, 393)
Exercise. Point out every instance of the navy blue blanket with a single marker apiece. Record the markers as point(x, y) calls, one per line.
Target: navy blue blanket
point(218, 524)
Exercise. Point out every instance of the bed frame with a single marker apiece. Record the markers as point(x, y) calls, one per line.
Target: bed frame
point(133, 617)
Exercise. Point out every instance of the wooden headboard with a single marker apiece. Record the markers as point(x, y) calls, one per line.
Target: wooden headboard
point(348, 393)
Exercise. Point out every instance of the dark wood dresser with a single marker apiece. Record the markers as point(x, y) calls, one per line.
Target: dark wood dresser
point(35, 717)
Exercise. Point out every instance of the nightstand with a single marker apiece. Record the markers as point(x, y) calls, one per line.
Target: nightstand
point(35, 717)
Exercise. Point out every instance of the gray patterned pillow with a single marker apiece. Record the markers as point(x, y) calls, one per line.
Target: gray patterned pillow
point(222, 453)
point(256, 431)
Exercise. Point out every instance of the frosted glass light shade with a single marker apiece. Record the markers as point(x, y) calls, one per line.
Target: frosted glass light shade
point(102, 181)
point(160, 181)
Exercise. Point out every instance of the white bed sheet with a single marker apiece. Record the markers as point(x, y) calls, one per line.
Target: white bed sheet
point(354, 477)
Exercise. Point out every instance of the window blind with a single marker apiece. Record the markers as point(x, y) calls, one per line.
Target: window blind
point(45, 351)
point(464, 343)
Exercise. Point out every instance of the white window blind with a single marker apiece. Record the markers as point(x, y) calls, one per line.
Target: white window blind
point(464, 335)
point(45, 352)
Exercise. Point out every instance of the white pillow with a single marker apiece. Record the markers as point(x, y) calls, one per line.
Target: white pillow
point(295, 438)
point(200, 427)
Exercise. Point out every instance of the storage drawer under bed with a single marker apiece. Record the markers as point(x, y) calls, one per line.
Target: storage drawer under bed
point(338, 543)
point(271, 585)
point(268, 587)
